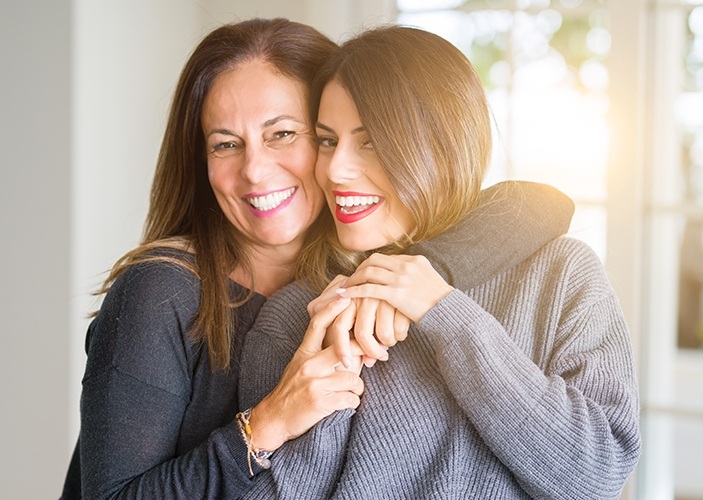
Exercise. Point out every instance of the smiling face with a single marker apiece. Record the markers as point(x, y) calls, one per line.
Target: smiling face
point(261, 155)
point(367, 211)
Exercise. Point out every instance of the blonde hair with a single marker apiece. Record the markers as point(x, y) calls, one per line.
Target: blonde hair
point(183, 212)
point(425, 111)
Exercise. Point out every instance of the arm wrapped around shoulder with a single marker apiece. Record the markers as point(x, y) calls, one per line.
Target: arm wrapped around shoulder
point(512, 220)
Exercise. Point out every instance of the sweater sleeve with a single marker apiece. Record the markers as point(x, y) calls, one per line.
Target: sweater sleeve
point(135, 392)
point(563, 417)
point(512, 220)
point(313, 461)
point(271, 342)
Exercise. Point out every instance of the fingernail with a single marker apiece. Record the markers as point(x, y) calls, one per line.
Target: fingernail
point(346, 362)
point(341, 290)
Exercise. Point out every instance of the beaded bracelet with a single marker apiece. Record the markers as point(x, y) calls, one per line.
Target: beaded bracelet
point(261, 457)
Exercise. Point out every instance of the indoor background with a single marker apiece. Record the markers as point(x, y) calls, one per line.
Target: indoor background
point(601, 98)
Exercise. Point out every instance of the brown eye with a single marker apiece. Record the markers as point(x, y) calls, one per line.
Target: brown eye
point(281, 138)
point(326, 142)
point(225, 149)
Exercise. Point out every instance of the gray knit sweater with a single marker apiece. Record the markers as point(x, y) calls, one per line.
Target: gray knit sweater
point(158, 422)
point(520, 387)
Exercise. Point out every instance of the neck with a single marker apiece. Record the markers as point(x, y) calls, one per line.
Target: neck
point(273, 269)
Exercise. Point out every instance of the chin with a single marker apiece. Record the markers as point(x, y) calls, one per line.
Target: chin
point(350, 243)
point(357, 244)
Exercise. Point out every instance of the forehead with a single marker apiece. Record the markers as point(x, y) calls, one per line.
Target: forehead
point(253, 92)
point(337, 108)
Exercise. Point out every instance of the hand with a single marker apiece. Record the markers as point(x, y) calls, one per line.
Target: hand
point(312, 386)
point(328, 295)
point(377, 325)
point(407, 282)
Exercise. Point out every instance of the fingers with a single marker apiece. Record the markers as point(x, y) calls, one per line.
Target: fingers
point(364, 329)
point(317, 328)
point(401, 325)
point(309, 391)
point(345, 382)
point(341, 390)
point(368, 290)
point(327, 362)
point(408, 283)
point(385, 324)
point(338, 334)
point(326, 296)
point(384, 269)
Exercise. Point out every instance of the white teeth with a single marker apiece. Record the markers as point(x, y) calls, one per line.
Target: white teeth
point(271, 200)
point(352, 201)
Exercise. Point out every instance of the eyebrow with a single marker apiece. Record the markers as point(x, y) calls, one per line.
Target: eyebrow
point(357, 130)
point(279, 118)
point(266, 124)
point(222, 131)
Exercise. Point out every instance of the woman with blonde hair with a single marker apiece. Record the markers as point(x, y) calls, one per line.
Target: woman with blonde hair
point(517, 383)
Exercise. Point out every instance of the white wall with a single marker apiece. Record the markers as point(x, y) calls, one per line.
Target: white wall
point(35, 227)
point(84, 90)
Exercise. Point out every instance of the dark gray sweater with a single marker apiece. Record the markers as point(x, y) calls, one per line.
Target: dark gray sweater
point(156, 422)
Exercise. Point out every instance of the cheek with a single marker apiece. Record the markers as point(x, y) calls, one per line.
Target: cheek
point(321, 169)
point(222, 180)
point(216, 177)
point(213, 176)
point(304, 162)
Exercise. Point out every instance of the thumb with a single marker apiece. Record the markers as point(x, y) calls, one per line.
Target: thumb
point(317, 328)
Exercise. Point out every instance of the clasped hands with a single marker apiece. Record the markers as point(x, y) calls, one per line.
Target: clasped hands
point(388, 292)
point(353, 323)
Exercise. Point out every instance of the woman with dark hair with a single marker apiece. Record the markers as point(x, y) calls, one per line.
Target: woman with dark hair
point(235, 214)
point(517, 383)
point(233, 209)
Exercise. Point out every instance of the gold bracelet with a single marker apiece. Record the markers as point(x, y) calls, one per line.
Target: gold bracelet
point(261, 457)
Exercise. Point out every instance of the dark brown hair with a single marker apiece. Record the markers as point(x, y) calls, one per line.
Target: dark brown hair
point(183, 211)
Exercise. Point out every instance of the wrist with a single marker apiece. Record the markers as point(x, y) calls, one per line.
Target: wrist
point(255, 455)
point(266, 429)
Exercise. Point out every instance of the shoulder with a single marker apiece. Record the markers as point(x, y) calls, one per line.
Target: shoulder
point(570, 266)
point(570, 254)
point(144, 319)
point(160, 276)
point(160, 293)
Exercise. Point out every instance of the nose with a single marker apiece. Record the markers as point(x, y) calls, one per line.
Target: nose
point(342, 166)
point(259, 164)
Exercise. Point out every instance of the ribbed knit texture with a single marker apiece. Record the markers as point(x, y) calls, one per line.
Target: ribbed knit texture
point(521, 387)
point(157, 422)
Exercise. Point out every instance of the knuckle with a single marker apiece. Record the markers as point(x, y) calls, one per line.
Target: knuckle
point(317, 323)
point(420, 259)
point(307, 369)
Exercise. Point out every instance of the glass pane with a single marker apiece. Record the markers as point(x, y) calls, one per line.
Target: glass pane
point(589, 224)
point(688, 112)
point(690, 325)
point(671, 455)
point(546, 82)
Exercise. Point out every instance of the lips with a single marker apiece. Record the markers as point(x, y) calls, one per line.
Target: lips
point(352, 207)
point(268, 204)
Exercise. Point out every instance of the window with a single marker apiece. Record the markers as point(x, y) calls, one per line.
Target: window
point(604, 99)
point(542, 66)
